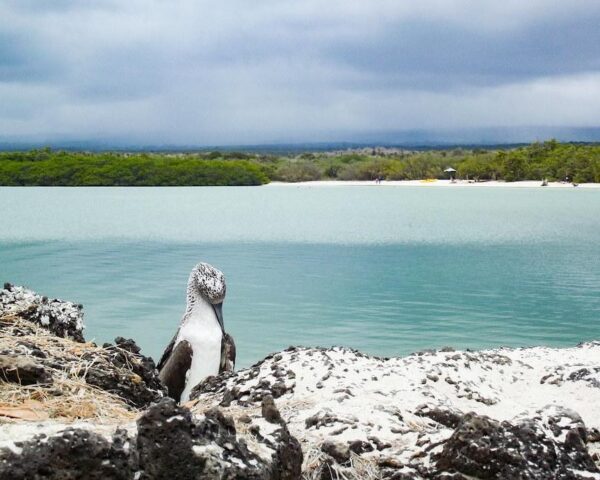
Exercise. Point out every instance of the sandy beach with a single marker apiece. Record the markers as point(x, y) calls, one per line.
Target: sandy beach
point(434, 183)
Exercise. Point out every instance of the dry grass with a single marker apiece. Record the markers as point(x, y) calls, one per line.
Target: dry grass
point(359, 468)
point(69, 397)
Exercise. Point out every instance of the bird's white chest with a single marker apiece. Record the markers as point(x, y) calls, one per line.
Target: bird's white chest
point(203, 332)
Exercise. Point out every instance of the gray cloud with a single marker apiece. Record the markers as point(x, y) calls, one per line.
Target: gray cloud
point(282, 70)
point(21, 60)
point(435, 55)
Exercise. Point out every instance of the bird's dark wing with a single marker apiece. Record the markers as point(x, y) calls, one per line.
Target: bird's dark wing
point(167, 352)
point(227, 354)
point(175, 365)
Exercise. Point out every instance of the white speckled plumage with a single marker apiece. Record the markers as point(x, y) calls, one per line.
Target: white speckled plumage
point(205, 282)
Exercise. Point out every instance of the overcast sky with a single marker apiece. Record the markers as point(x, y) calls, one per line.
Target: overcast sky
point(240, 71)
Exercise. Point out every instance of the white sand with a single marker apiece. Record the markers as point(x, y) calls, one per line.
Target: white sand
point(434, 183)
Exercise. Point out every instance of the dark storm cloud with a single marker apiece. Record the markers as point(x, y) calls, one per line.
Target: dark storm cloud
point(207, 72)
point(436, 55)
point(21, 60)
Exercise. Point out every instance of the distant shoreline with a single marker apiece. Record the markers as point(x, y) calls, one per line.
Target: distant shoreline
point(432, 183)
point(526, 165)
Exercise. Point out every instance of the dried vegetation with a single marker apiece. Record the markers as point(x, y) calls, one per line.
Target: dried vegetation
point(63, 392)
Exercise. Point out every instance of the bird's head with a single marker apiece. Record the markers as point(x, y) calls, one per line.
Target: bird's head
point(209, 283)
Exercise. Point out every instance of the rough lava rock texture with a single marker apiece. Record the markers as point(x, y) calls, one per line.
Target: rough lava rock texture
point(167, 441)
point(552, 444)
point(446, 414)
point(22, 370)
point(311, 413)
point(72, 453)
point(119, 369)
point(64, 319)
point(140, 387)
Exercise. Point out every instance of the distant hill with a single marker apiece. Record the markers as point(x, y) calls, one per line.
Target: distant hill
point(488, 138)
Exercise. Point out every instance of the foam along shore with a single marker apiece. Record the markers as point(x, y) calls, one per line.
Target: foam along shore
point(303, 413)
point(433, 183)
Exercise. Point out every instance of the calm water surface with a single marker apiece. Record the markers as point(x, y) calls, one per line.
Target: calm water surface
point(386, 270)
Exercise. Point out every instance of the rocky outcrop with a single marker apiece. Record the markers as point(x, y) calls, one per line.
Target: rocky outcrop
point(551, 444)
point(64, 319)
point(36, 346)
point(30, 353)
point(140, 386)
point(46, 372)
point(307, 413)
point(23, 371)
point(70, 453)
point(433, 415)
point(166, 442)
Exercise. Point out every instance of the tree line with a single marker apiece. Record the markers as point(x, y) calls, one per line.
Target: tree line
point(549, 160)
point(48, 168)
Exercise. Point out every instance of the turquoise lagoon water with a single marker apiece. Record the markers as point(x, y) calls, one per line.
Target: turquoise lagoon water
point(383, 269)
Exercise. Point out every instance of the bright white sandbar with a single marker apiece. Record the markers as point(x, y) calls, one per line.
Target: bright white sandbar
point(436, 183)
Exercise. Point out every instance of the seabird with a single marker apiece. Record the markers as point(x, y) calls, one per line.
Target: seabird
point(200, 347)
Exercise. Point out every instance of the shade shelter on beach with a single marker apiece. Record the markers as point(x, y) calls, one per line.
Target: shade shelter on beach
point(451, 171)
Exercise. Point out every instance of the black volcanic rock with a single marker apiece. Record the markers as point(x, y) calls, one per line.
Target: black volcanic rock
point(169, 442)
point(119, 369)
point(139, 386)
point(165, 443)
point(355, 415)
point(445, 417)
point(269, 410)
point(63, 319)
point(22, 370)
point(483, 448)
point(71, 454)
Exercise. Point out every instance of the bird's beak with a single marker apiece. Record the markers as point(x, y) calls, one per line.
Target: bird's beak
point(218, 308)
